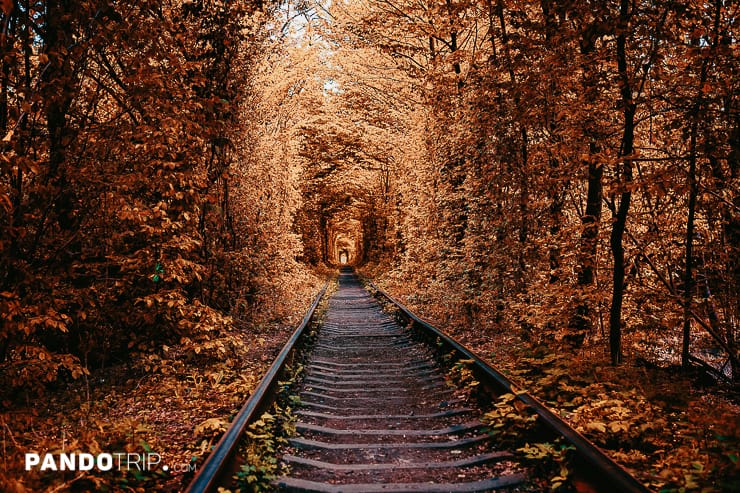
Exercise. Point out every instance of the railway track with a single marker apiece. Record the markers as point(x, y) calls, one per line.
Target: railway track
point(378, 414)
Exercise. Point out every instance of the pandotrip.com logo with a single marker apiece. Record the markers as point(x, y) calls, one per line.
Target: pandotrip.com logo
point(116, 461)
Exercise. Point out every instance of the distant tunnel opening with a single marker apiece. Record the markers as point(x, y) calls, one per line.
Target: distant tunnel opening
point(342, 224)
point(345, 242)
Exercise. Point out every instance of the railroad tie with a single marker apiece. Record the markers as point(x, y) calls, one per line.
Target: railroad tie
point(378, 416)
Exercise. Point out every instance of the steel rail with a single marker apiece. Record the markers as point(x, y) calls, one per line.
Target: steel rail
point(208, 475)
point(606, 475)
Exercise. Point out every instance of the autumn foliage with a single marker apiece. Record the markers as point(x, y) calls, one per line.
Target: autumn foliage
point(564, 169)
point(124, 129)
point(563, 173)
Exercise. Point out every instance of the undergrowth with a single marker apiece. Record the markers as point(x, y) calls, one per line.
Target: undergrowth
point(175, 400)
point(673, 433)
point(261, 445)
point(647, 427)
point(264, 438)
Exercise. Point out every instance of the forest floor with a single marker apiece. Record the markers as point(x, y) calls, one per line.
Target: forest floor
point(674, 431)
point(169, 408)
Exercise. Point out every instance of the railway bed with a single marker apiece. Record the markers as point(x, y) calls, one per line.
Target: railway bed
point(378, 412)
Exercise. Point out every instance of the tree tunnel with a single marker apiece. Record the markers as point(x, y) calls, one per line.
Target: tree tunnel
point(345, 215)
point(345, 245)
point(340, 232)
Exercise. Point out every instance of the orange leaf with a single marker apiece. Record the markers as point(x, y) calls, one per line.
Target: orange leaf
point(7, 6)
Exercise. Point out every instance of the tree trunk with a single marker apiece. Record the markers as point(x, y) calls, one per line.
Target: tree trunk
point(625, 174)
point(688, 278)
point(586, 270)
point(58, 78)
point(580, 323)
point(523, 152)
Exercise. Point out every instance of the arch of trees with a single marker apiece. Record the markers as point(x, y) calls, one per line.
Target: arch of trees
point(570, 167)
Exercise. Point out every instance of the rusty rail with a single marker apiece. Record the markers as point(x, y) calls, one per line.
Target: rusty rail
point(206, 480)
point(597, 468)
